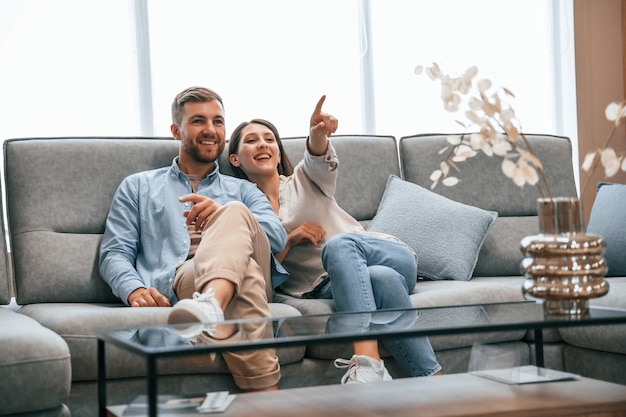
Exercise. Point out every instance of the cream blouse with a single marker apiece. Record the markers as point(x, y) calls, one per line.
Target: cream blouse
point(308, 195)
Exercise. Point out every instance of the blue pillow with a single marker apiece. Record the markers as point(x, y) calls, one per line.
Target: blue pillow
point(608, 219)
point(445, 234)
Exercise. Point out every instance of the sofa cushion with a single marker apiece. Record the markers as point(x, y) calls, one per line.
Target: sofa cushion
point(500, 254)
point(608, 219)
point(59, 225)
point(5, 278)
point(605, 366)
point(79, 324)
point(5, 290)
point(430, 294)
point(482, 182)
point(35, 368)
point(607, 338)
point(484, 185)
point(446, 235)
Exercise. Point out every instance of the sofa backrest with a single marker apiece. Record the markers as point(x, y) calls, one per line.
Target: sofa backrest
point(5, 277)
point(59, 192)
point(484, 185)
point(365, 163)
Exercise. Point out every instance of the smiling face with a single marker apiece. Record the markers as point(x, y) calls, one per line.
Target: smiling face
point(202, 134)
point(258, 153)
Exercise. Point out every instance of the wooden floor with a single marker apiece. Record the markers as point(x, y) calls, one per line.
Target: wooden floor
point(444, 396)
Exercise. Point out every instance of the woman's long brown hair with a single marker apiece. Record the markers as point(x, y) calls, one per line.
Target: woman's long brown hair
point(285, 166)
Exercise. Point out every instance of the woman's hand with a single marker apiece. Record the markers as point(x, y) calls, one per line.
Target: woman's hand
point(305, 233)
point(323, 125)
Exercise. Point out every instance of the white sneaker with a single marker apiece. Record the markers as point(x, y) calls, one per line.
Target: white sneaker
point(362, 369)
point(202, 308)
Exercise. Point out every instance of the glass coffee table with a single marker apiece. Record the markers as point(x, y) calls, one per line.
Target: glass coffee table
point(330, 328)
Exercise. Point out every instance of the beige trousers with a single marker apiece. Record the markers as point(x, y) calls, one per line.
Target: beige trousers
point(234, 247)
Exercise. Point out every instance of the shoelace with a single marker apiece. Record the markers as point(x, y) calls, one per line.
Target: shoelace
point(350, 364)
point(207, 297)
point(341, 363)
point(204, 297)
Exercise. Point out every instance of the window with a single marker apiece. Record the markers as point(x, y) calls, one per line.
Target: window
point(67, 69)
point(509, 41)
point(70, 67)
point(270, 59)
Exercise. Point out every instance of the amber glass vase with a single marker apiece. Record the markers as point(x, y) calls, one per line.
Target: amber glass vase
point(563, 265)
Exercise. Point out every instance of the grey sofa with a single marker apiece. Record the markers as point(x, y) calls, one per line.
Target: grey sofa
point(35, 372)
point(58, 192)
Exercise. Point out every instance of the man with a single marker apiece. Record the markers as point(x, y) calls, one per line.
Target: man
point(186, 232)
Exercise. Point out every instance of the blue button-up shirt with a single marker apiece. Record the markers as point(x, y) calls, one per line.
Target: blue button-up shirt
point(146, 236)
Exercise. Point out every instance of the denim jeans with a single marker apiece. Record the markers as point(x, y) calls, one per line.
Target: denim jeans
point(368, 273)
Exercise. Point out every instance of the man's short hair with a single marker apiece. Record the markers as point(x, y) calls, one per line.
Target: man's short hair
point(192, 95)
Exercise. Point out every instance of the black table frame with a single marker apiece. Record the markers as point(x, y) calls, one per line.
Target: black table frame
point(597, 316)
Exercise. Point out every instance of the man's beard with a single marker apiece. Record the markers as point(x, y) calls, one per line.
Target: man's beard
point(196, 155)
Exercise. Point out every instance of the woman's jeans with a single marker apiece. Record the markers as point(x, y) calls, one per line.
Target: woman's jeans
point(370, 272)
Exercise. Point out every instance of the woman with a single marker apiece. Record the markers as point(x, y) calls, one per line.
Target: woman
point(328, 253)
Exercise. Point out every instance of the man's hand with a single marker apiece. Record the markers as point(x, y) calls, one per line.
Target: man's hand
point(147, 297)
point(203, 207)
point(323, 125)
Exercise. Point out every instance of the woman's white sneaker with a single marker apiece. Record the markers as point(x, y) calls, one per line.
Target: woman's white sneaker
point(362, 369)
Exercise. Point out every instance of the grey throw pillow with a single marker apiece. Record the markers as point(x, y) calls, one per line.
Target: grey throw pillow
point(445, 234)
point(608, 219)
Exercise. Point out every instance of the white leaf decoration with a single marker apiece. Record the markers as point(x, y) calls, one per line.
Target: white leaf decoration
point(445, 168)
point(612, 111)
point(436, 175)
point(496, 131)
point(589, 158)
point(464, 151)
point(484, 85)
point(450, 181)
point(508, 168)
point(610, 161)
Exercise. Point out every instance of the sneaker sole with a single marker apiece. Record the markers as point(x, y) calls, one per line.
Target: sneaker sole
point(182, 315)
